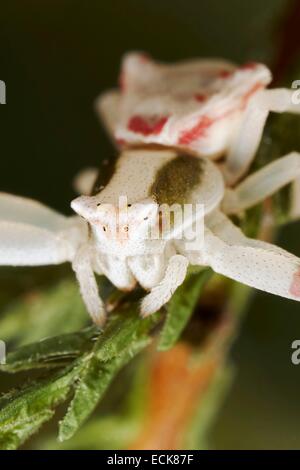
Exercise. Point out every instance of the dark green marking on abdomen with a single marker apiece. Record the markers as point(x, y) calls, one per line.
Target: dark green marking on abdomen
point(176, 180)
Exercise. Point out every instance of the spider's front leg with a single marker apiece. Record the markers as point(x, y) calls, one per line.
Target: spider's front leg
point(263, 183)
point(245, 143)
point(161, 293)
point(258, 264)
point(32, 234)
point(84, 181)
point(116, 270)
point(148, 269)
point(247, 138)
point(108, 108)
point(83, 268)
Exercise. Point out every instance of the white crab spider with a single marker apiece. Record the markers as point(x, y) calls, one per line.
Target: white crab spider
point(31, 234)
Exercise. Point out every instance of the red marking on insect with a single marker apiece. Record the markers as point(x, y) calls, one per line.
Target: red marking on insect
point(248, 66)
point(199, 130)
point(224, 73)
point(200, 97)
point(150, 125)
point(295, 286)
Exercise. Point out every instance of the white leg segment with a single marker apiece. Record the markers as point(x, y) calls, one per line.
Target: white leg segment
point(82, 266)
point(148, 270)
point(162, 292)
point(221, 226)
point(295, 200)
point(262, 184)
point(245, 144)
point(31, 234)
point(84, 181)
point(257, 264)
point(279, 100)
point(26, 245)
point(282, 100)
point(24, 210)
point(116, 270)
point(107, 107)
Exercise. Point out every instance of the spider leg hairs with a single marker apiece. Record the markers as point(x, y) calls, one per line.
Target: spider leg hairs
point(187, 134)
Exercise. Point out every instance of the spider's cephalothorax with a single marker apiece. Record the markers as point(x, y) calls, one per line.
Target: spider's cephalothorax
point(145, 183)
point(172, 123)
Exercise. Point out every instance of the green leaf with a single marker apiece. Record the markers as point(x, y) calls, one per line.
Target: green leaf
point(12, 440)
point(23, 411)
point(122, 331)
point(105, 432)
point(27, 409)
point(125, 336)
point(51, 352)
point(181, 307)
point(122, 425)
point(92, 386)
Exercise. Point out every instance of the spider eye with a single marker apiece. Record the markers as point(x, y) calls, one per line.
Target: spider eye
point(104, 228)
point(125, 228)
point(99, 204)
point(128, 205)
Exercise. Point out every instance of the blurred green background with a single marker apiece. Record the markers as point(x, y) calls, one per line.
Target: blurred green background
point(56, 56)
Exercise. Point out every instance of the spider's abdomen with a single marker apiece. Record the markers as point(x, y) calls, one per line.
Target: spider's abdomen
point(193, 105)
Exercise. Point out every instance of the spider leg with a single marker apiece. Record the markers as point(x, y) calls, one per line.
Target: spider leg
point(32, 234)
point(278, 100)
point(82, 266)
point(162, 292)
point(147, 269)
point(246, 141)
point(263, 183)
point(116, 270)
point(108, 108)
point(251, 262)
point(222, 227)
point(84, 181)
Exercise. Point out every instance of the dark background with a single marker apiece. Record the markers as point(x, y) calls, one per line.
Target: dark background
point(56, 57)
